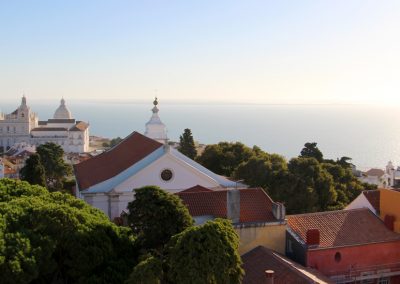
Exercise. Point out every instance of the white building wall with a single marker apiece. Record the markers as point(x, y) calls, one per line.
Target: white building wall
point(100, 201)
point(184, 176)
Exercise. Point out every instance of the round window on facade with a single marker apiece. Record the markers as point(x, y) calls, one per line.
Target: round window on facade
point(338, 257)
point(166, 175)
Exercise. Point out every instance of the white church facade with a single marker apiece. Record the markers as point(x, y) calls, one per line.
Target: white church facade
point(23, 126)
point(108, 180)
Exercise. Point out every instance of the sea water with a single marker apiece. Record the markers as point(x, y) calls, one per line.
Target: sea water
point(368, 134)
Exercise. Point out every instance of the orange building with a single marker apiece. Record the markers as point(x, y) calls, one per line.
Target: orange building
point(389, 208)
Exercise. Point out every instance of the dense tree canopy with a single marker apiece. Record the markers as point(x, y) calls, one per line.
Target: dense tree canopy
point(304, 184)
point(156, 215)
point(311, 150)
point(205, 254)
point(52, 158)
point(55, 238)
point(224, 157)
point(186, 144)
point(55, 168)
point(33, 171)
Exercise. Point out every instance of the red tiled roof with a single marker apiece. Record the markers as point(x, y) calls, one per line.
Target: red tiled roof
point(129, 151)
point(196, 188)
point(375, 172)
point(255, 204)
point(342, 228)
point(256, 261)
point(374, 197)
point(79, 126)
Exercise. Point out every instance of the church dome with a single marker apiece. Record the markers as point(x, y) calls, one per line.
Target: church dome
point(62, 111)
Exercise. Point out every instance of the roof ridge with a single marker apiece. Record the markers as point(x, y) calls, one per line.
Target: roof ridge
point(327, 212)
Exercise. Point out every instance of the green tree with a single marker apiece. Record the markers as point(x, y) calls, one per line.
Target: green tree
point(264, 170)
point(156, 215)
point(186, 144)
point(56, 169)
point(33, 171)
point(314, 185)
point(205, 254)
point(55, 238)
point(311, 150)
point(148, 271)
point(224, 157)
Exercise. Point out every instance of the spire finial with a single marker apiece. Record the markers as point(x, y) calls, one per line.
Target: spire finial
point(23, 101)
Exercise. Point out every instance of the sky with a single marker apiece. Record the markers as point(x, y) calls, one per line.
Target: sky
point(262, 52)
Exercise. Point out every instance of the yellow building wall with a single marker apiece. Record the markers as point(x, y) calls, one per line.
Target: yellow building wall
point(270, 236)
point(390, 205)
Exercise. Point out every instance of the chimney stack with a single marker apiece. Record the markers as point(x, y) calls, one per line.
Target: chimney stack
point(279, 211)
point(233, 205)
point(269, 277)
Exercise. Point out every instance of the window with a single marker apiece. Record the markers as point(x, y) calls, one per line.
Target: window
point(338, 257)
point(166, 175)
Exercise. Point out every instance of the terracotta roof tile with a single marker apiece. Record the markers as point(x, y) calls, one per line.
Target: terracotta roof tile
point(256, 261)
point(255, 204)
point(128, 152)
point(203, 203)
point(375, 172)
point(79, 126)
point(342, 228)
point(196, 188)
point(374, 197)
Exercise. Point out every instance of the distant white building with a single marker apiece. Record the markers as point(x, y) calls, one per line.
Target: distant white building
point(23, 126)
point(393, 175)
point(383, 178)
point(108, 180)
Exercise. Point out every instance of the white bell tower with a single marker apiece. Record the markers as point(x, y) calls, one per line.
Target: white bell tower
point(155, 129)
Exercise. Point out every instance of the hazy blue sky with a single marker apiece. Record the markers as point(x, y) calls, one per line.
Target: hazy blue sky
point(239, 51)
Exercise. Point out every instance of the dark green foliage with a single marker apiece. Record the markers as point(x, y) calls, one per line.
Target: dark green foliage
point(156, 215)
point(313, 186)
point(304, 184)
point(264, 170)
point(55, 238)
point(224, 157)
point(186, 144)
point(33, 171)
point(205, 254)
point(56, 170)
point(311, 150)
point(148, 271)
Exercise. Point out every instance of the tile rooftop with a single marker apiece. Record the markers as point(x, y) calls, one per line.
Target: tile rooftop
point(342, 228)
